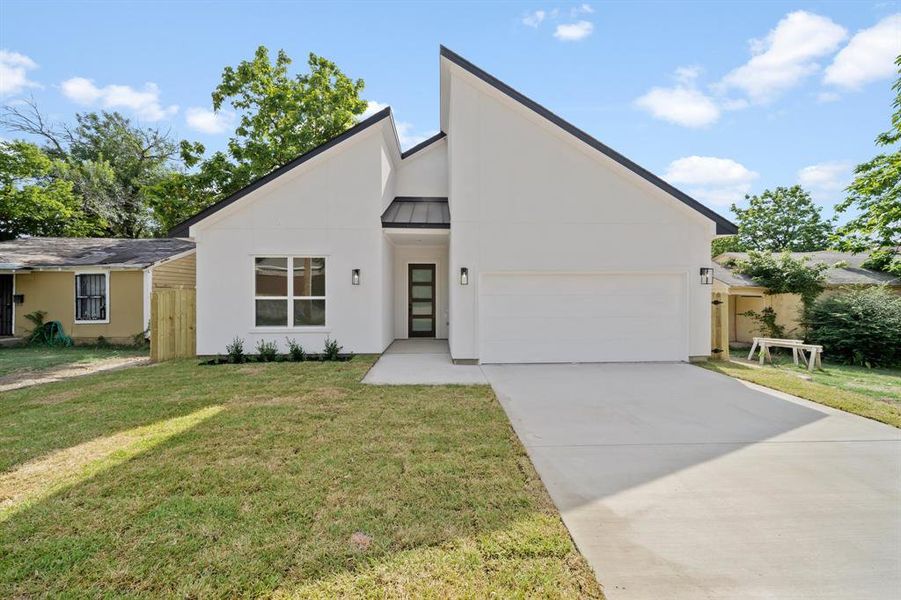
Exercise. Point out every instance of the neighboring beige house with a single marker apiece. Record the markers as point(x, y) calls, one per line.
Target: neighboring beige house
point(744, 295)
point(93, 286)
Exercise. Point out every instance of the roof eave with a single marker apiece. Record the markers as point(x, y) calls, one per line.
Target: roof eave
point(183, 229)
point(723, 225)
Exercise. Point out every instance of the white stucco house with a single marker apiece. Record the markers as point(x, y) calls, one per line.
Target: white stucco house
point(512, 234)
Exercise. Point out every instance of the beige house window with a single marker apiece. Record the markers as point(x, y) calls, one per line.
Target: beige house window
point(91, 297)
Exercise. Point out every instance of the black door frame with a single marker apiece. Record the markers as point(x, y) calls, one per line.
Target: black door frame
point(7, 287)
point(410, 285)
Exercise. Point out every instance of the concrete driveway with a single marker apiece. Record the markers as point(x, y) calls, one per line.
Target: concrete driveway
point(677, 482)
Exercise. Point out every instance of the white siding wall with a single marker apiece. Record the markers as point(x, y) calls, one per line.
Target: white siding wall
point(524, 198)
point(424, 173)
point(328, 207)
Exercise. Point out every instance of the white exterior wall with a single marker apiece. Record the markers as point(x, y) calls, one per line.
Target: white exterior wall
point(424, 173)
point(327, 207)
point(527, 197)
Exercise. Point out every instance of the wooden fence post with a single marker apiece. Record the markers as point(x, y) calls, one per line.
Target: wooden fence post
point(719, 327)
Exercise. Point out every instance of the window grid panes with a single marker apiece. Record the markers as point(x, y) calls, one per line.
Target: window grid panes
point(289, 291)
point(90, 297)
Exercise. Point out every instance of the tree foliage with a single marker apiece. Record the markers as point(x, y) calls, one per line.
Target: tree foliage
point(280, 117)
point(861, 326)
point(875, 194)
point(33, 199)
point(110, 164)
point(725, 243)
point(784, 274)
point(782, 219)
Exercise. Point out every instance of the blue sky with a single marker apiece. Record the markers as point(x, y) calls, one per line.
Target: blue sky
point(719, 98)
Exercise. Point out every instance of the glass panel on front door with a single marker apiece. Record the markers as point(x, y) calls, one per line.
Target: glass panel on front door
point(421, 301)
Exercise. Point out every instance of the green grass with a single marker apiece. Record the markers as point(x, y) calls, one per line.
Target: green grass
point(249, 480)
point(871, 393)
point(27, 358)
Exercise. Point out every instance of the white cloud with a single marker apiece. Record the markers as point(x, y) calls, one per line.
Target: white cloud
point(710, 179)
point(144, 103)
point(14, 69)
point(372, 107)
point(583, 9)
point(534, 19)
point(787, 55)
point(683, 104)
point(824, 97)
point(407, 137)
point(573, 32)
point(869, 56)
point(825, 181)
point(209, 121)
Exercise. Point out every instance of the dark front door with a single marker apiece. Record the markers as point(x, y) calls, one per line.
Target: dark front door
point(421, 301)
point(6, 304)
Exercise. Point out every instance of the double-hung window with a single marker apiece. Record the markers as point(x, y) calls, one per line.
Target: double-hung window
point(289, 291)
point(91, 297)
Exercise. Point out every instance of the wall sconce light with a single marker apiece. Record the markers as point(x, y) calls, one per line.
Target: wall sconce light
point(355, 277)
point(18, 298)
point(706, 276)
point(464, 276)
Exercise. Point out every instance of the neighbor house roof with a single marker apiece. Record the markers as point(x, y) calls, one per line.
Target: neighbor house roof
point(847, 272)
point(419, 213)
point(50, 252)
point(723, 225)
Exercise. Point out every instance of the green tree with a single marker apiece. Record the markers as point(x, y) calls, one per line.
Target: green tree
point(33, 201)
point(725, 243)
point(280, 117)
point(782, 219)
point(784, 274)
point(111, 164)
point(875, 195)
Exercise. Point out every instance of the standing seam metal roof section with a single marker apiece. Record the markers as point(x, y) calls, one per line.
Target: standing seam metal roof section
point(417, 212)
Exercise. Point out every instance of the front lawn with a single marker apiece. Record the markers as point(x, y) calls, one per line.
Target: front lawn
point(871, 393)
point(285, 479)
point(36, 358)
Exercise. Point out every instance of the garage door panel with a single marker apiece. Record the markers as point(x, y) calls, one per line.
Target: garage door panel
point(582, 318)
point(582, 305)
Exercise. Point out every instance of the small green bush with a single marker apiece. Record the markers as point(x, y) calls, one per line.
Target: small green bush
point(266, 351)
point(295, 350)
point(235, 351)
point(861, 326)
point(331, 349)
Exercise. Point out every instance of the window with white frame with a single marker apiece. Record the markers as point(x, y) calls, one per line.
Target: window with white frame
point(91, 297)
point(289, 291)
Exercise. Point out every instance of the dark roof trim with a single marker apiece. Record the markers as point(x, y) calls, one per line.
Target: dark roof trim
point(181, 230)
point(424, 144)
point(723, 225)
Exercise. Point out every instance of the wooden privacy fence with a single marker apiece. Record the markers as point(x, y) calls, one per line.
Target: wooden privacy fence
point(172, 324)
point(719, 326)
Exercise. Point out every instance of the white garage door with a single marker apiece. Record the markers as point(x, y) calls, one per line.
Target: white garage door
point(582, 318)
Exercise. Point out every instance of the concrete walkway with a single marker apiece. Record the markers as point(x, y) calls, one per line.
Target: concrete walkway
point(677, 482)
point(422, 362)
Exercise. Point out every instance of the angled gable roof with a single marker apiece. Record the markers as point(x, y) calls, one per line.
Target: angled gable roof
point(723, 225)
point(182, 229)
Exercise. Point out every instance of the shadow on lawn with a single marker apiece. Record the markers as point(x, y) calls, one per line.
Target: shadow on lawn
point(266, 494)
